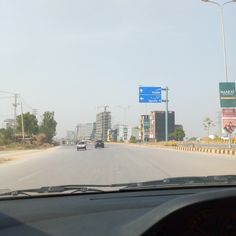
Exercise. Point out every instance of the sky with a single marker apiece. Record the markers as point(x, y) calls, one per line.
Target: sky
point(73, 57)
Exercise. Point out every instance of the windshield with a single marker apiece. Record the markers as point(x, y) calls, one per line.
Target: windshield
point(112, 93)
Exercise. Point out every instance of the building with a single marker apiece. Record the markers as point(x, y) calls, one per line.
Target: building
point(112, 135)
point(103, 124)
point(157, 125)
point(70, 137)
point(123, 133)
point(86, 131)
point(144, 128)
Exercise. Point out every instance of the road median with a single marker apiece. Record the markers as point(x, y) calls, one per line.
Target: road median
point(220, 151)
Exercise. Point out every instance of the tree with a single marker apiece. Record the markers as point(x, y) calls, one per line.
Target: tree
point(30, 124)
point(207, 124)
point(178, 134)
point(48, 126)
point(6, 136)
point(193, 139)
point(133, 139)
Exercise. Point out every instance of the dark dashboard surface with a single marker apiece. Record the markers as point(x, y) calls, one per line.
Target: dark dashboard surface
point(155, 212)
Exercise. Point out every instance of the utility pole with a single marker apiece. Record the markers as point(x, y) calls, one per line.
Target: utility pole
point(15, 104)
point(22, 124)
point(15, 107)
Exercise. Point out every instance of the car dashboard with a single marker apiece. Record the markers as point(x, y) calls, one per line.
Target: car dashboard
point(180, 211)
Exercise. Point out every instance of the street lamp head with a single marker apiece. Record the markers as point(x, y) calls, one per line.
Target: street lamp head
point(205, 0)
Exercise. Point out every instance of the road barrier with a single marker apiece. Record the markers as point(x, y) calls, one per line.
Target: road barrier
point(207, 150)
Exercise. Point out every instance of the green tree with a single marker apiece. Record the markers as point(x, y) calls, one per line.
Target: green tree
point(30, 124)
point(207, 124)
point(48, 126)
point(6, 136)
point(193, 139)
point(178, 134)
point(133, 139)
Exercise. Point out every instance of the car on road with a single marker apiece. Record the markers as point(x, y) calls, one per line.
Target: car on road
point(99, 144)
point(81, 145)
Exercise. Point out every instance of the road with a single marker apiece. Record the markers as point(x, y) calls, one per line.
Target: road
point(116, 163)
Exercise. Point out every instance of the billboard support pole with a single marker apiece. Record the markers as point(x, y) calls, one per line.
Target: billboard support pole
point(230, 146)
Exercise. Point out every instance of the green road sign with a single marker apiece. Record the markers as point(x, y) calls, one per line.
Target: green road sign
point(227, 94)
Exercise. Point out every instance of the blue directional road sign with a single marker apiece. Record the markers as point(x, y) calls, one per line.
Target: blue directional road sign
point(150, 95)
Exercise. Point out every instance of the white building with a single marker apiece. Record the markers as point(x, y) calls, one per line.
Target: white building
point(85, 131)
point(70, 137)
point(124, 132)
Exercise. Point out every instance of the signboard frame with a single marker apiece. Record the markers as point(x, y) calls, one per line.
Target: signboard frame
point(227, 94)
point(148, 94)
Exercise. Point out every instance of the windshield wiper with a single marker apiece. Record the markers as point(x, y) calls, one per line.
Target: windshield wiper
point(57, 189)
point(223, 180)
point(184, 181)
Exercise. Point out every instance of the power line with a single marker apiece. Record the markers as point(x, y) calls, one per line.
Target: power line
point(7, 115)
point(26, 103)
point(7, 92)
point(6, 97)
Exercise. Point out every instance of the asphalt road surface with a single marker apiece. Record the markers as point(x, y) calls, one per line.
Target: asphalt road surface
point(116, 163)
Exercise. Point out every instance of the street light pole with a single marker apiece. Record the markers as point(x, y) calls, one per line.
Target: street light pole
point(166, 112)
point(221, 6)
point(223, 32)
point(223, 40)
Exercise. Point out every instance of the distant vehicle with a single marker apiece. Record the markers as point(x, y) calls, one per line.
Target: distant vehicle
point(99, 144)
point(81, 145)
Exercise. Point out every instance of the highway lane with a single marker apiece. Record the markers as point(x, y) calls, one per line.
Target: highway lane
point(116, 163)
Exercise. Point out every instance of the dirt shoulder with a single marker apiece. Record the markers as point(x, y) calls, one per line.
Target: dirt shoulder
point(14, 154)
point(17, 147)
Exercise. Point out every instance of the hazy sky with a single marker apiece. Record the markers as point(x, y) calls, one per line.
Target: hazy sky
point(71, 56)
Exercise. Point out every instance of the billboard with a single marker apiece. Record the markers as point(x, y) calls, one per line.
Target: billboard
point(230, 112)
point(229, 120)
point(227, 94)
point(229, 125)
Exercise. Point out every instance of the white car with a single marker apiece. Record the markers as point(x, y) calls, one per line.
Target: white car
point(81, 145)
